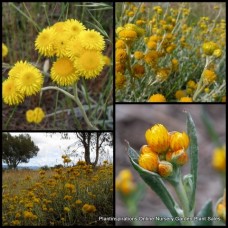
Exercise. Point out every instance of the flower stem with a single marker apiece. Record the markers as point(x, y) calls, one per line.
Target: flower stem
point(82, 109)
point(181, 193)
point(76, 99)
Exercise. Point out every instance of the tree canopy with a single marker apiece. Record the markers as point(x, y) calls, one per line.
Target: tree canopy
point(17, 149)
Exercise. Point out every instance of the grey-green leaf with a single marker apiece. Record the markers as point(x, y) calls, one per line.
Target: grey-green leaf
point(205, 212)
point(155, 183)
point(193, 152)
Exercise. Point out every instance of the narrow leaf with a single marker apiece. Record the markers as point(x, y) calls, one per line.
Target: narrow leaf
point(193, 151)
point(155, 182)
point(205, 212)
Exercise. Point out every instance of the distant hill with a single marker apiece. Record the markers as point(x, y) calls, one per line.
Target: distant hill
point(23, 167)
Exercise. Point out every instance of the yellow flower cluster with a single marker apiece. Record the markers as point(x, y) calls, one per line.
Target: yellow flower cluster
point(124, 182)
point(221, 207)
point(88, 208)
point(163, 149)
point(72, 193)
point(158, 51)
point(35, 116)
point(79, 51)
point(24, 80)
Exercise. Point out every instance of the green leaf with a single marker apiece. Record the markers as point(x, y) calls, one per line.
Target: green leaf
point(193, 151)
point(205, 212)
point(155, 182)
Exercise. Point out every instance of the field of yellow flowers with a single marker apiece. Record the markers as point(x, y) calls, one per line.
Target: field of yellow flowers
point(61, 197)
point(171, 52)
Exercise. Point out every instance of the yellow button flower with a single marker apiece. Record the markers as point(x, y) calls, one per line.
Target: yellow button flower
point(158, 138)
point(165, 169)
point(179, 141)
point(219, 159)
point(149, 161)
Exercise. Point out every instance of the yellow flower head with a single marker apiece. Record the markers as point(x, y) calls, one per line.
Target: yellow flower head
point(162, 74)
point(145, 149)
point(60, 45)
point(157, 138)
point(149, 161)
point(10, 94)
point(217, 53)
point(186, 99)
point(121, 55)
point(165, 169)
point(138, 70)
point(209, 77)
point(74, 48)
point(29, 80)
point(127, 35)
point(179, 141)
point(120, 44)
point(38, 115)
point(66, 209)
point(44, 42)
point(209, 47)
point(90, 64)
point(157, 98)
point(92, 40)
point(179, 94)
point(63, 72)
point(73, 28)
point(70, 187)
point(138, 55)
point(124, 182)
point(120, 80)
point(219, 159)
point(78, 202)
point(87, 208)
point(4, 50)
point(179, 157)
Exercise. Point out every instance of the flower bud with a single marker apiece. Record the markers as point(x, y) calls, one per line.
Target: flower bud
point(149, 161)
point(165, 169)
point(179, 157)
point(145, 149)
point(158, 138)
point(179, 141)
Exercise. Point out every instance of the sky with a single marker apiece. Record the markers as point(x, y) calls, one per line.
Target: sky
point(52, 148)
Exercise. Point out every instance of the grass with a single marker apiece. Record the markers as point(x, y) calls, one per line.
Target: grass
point(21, 25)
point(45, 194)
point(178, 32)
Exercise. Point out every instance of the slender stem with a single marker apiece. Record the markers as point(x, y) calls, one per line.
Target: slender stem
point(60, 90)
point(82, 109)
point(181, 193)
point(76, 99)
point(11, 115)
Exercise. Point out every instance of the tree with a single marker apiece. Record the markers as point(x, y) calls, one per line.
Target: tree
point(94, 141)
point(17, 149)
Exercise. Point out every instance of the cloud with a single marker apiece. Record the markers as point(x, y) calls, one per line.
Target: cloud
point(52, 148)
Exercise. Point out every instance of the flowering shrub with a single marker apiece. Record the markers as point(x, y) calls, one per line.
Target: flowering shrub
point(164, 54)
point(60, 197)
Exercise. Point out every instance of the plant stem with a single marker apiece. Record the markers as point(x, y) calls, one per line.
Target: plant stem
point(76, 99)
point(181, 193)
point(82, 109)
